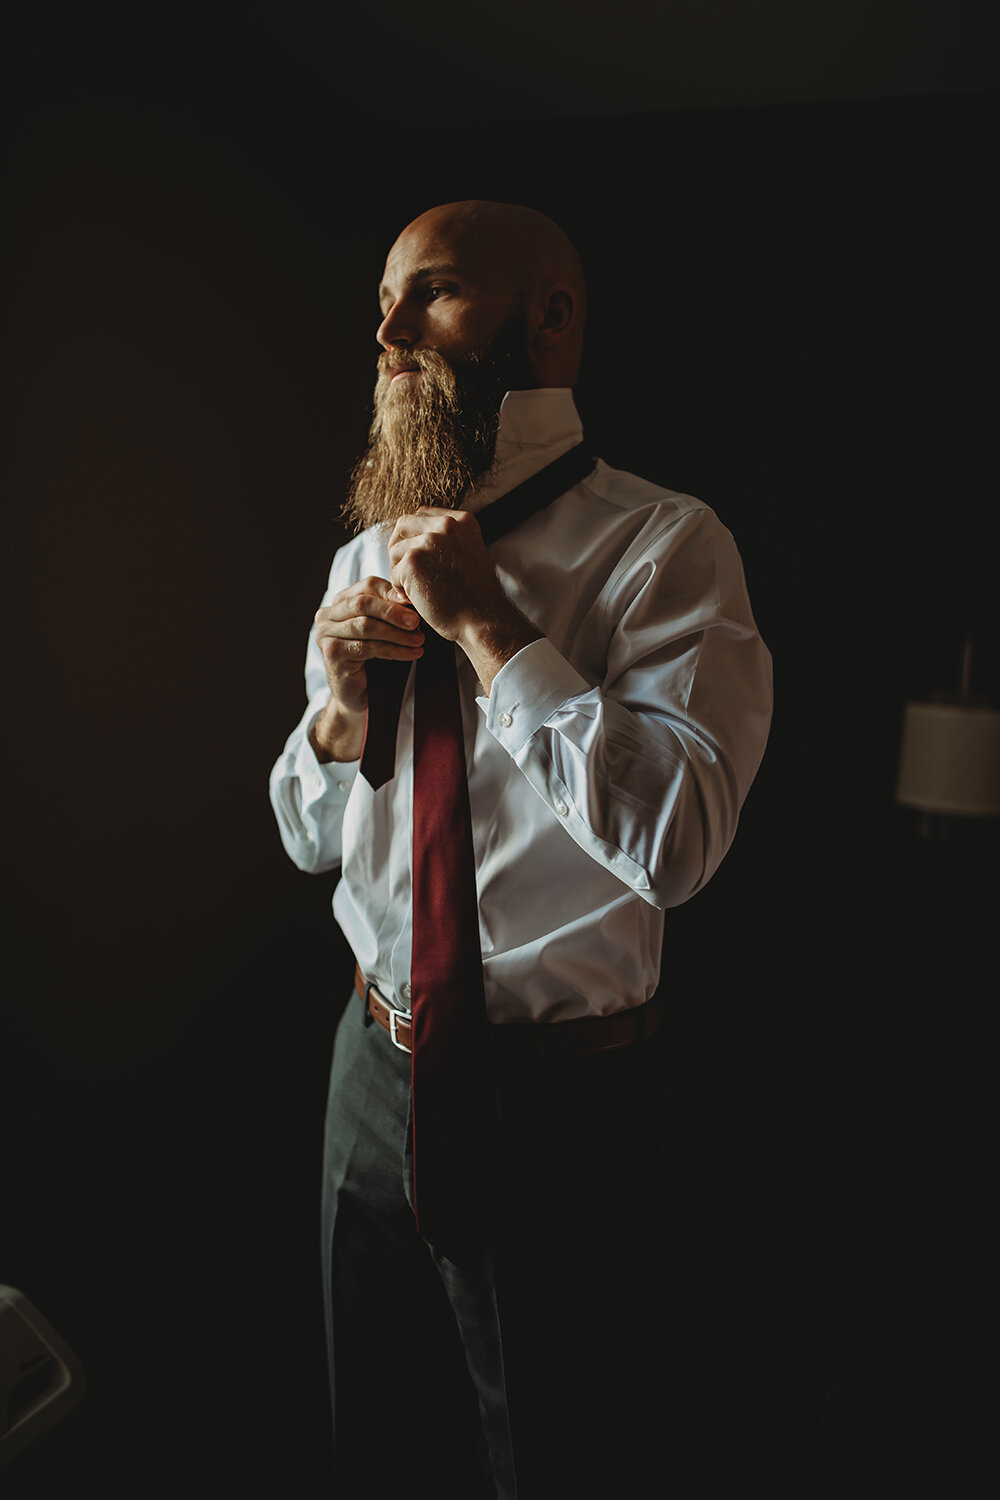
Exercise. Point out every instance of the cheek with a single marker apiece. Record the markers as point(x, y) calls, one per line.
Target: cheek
point(456, 338)
point(464, 330)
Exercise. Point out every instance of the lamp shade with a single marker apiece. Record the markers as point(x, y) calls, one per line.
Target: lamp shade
point(949, 759)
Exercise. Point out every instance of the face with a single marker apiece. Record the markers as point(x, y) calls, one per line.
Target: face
point(454, 340)
point(442, 289)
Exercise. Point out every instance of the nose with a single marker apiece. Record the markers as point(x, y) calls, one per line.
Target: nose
point(397, 329)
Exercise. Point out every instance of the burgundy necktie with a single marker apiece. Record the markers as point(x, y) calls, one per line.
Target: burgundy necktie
point(456, 1152)
point(455, 1138)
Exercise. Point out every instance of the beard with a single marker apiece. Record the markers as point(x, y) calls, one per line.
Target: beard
point(434, 434)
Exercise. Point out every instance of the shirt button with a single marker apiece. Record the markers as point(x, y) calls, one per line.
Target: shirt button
point(405, 991)
point(504, 720)
point(345, 786)
point(561, 809)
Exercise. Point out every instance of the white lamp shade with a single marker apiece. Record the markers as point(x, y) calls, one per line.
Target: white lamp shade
point(949, 760)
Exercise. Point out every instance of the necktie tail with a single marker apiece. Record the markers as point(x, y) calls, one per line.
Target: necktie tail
point(386, 686)
point(455, 1136)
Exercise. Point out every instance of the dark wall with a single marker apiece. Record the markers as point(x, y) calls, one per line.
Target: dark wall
point(186, 377)
point(789, 319)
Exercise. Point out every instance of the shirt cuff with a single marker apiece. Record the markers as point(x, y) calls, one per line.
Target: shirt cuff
point(329, 780)
point(526, 691)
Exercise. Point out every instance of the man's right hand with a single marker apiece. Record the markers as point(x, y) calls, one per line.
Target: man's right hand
point(369, 619)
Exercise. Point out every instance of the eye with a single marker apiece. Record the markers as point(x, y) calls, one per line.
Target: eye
point(432, 293)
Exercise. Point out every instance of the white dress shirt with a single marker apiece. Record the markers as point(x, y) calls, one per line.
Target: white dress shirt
point(606, 768)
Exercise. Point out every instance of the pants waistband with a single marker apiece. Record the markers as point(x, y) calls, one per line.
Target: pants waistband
point(526, 1041)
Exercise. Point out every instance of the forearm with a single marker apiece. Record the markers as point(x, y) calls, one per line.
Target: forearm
point(494, 637)
point(339, 733)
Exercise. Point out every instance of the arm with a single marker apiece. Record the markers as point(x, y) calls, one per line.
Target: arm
point(308, 795)
point(648, 768)
point(312, 778)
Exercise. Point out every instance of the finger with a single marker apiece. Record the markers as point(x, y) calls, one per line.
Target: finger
point(367, 628)
point(427, 518)
point(376, 598)
point(398, 606)
point(349, 655)
point(445, 513)
point(439, 541)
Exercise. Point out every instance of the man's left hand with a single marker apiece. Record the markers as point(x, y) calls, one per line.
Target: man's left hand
point(439, 560)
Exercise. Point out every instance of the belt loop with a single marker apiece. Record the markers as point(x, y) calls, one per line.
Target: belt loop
point(367, 1018)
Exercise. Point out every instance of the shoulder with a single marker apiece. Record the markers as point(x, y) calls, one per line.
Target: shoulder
point(661, 537)
point(634, 518)
point(624, 491)
point(625, 494)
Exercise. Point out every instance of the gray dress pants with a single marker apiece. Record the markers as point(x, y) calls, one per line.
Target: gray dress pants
point(554, 1366)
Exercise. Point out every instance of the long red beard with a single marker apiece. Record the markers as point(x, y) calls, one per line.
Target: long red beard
point(433, 435)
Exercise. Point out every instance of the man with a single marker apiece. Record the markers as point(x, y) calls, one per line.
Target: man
point(615, 699)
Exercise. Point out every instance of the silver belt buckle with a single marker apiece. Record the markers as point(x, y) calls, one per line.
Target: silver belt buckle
point(394, 1014)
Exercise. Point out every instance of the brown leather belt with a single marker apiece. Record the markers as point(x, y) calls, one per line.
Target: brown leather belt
point(525, 1042)
point(395, 1022)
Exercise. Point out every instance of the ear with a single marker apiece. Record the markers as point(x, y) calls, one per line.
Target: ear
point(558, 311)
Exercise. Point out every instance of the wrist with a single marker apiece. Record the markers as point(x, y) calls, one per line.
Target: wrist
point(492, 638)
point(338, 734)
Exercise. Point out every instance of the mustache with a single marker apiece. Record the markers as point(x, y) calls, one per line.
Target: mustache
point(391, 361)
point(439, 386)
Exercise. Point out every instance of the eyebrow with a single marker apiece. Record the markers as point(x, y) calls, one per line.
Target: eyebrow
point(421, 274)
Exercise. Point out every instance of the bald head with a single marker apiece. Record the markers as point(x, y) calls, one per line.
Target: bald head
point(519, 244)
point(507, 257)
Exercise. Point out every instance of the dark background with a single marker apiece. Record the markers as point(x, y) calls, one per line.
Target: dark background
point(792, 318)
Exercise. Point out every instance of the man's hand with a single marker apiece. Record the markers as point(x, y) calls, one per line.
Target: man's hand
point(439, 561)
point(369, 619)
point(440, 564)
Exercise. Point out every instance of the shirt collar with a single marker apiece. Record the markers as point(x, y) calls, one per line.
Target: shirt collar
point(536, 427)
